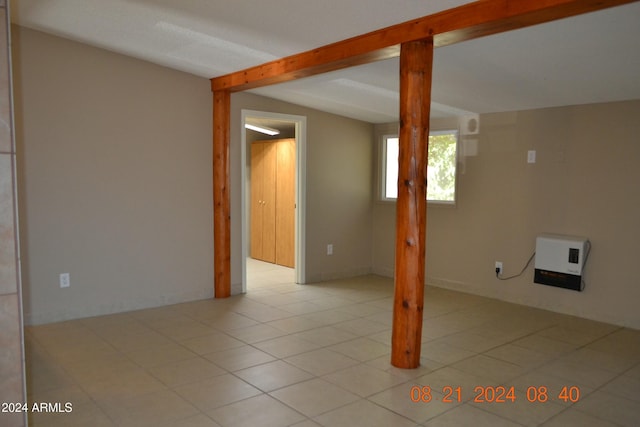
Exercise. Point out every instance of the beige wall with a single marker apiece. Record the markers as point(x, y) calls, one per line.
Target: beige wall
point(116, 182)
point(11, 342)
point(585, 183)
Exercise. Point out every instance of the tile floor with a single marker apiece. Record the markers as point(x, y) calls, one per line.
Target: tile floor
point(318, 355)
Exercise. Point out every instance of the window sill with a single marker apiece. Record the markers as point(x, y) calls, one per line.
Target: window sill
point(432, 204)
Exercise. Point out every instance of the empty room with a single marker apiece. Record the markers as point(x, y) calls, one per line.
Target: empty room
point(328, 214)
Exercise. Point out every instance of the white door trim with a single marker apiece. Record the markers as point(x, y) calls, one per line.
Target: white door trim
point(301, 158)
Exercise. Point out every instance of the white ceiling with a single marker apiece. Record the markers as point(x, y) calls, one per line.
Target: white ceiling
point(585, 59)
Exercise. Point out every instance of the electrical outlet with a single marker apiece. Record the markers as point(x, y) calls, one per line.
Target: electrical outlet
point(65, 280)
point(329, 249)
point(498, 267)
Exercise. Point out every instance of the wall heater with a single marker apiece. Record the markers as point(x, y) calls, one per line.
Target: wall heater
point(560, 260)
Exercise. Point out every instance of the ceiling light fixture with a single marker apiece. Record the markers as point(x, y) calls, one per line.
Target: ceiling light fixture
point(262, 129)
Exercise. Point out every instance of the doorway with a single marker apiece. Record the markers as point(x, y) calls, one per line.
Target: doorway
point(289, 127)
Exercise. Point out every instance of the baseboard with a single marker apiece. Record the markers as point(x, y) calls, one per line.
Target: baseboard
point(382, 271)
point(544, 304)
point(115, 307)
point(335, 275)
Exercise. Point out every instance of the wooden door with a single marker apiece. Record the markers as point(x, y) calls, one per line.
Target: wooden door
point(263, 201)
point(257, 183)
point(273, 201)
point(285, 202)
point(269, 202)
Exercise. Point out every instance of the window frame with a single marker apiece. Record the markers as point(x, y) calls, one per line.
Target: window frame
point(382, 169)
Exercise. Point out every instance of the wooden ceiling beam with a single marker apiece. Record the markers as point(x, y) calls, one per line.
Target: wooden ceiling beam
point(469, 21)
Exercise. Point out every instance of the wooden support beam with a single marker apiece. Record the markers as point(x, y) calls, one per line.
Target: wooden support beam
point(469, 21)
point(221, 199)
point(466, 22)
point(416, 60)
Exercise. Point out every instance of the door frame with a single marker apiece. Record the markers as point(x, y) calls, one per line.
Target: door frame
point(300, 192)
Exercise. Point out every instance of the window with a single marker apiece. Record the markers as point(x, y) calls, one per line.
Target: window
point(441, 170)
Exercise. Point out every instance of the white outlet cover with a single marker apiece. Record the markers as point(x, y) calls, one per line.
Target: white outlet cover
point(531, 156)
point(499, 265)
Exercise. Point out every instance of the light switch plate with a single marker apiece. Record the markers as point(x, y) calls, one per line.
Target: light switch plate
point(65, 280)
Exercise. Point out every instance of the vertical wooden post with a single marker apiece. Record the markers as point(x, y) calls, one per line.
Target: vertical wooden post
point(416, 60)
point(221, 199)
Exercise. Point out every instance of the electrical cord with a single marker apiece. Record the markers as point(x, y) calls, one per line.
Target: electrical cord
point(584, 265)
point(516, 275)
